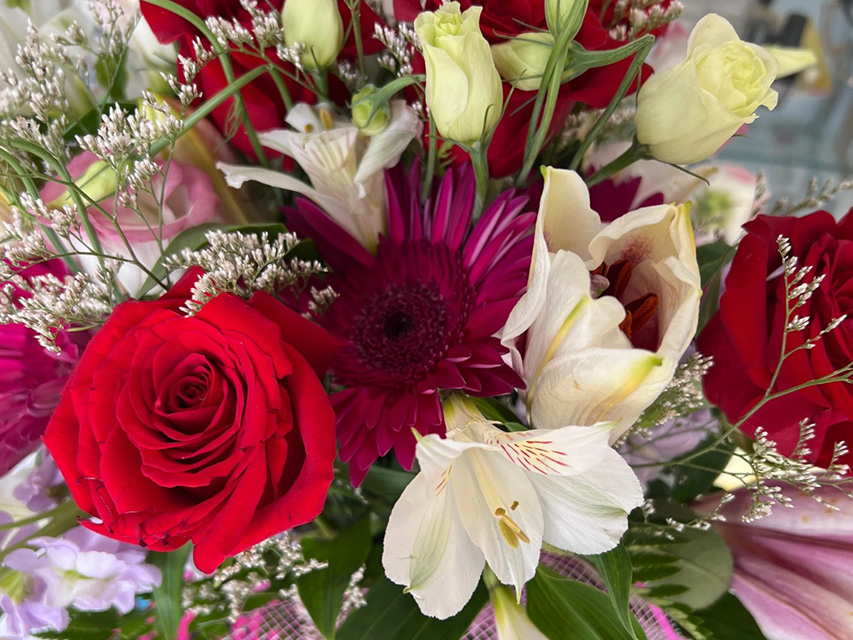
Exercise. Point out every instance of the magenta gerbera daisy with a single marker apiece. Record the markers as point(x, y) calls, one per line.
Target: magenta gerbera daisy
point(421, 315)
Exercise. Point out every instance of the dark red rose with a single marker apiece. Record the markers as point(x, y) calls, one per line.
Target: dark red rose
point(213, 428)
point(501, 19)
point(745, 336)
point(263, 102)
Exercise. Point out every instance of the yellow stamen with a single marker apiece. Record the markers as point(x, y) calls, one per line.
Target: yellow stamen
point(326, 119)
point(509, 529)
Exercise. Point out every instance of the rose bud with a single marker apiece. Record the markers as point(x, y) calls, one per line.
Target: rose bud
point(463, 87)
point(318, 25)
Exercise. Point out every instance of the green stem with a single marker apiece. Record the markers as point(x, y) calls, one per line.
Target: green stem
point(355, 12)
point(209, 105)
point(225, 60)
point(282, 88)
point(633, 72)
point(431, 160)
point(481, 171)
point(64, 517)
point(321, 83)
point(635, 152)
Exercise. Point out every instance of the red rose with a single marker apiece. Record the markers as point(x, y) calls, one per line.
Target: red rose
point(501, 19)
point(263, 102)
point(213, 428)
point(745, 337)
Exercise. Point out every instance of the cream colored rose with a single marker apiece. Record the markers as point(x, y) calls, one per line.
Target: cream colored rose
point(687, 112)
point(318, 25)
point(521, 60)
point(463, 88)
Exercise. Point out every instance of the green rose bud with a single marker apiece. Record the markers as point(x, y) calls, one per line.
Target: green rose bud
point(522, 60)
point(318, 25)
point(463, 87)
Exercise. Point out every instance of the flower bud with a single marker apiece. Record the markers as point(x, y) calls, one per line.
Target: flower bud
point(463, 87)
point(362, 108)
point(687, 112)
point(565, 12)
point(521, 60)
point(318, 25)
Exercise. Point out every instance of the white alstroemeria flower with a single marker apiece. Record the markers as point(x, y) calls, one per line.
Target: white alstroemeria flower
point(609, 309)
point(487, 496)
point(345, 167)
point(511, 619)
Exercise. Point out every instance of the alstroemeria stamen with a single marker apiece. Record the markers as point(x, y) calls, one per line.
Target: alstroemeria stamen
point(510, 530)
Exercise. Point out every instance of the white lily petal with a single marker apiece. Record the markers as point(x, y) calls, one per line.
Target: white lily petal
point(588, 513)
point(570, 319)
point(384, 149)
point(501, 514)
point(237, 175)
point(435, 454)
point(427, 549)
point(594, 385)
point(569, 222)
point(567, 451)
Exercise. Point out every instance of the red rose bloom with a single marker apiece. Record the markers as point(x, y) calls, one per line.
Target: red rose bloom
point(745, 337)
point(508, 18)
point(213, 428)
point(262, 99)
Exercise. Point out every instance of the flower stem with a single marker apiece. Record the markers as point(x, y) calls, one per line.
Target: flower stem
point(432, 154)
point(635, 152)
point(481, 171)
point(633, 72)
point(64, 517)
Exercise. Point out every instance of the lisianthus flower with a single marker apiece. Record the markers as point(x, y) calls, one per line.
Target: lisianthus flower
point(344, 166)
point(487, 496)
point(421, 314)
point(609, 309)
point(188, 200)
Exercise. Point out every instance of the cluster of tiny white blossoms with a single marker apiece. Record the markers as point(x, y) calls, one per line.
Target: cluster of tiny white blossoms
point(275, 560)
point(642, 16)
point(682, 396)
point(243, 263)
point(400, 43)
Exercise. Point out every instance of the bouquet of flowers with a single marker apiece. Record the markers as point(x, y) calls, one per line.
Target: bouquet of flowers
point(378, 320)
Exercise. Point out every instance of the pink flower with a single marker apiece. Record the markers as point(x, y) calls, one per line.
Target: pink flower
point(421, 314)
point(794, 568)
point(188, 200)
point(30, 381)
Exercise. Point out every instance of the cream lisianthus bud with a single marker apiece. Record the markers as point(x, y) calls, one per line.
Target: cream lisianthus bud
point(318, 25)
point(521, 60)
point(463, 87)
point(560, 12)
point(687, 112)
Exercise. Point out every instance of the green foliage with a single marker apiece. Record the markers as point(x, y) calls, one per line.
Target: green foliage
point(712, 258)
point(556, 604)
point(102, 625)
point(391, 614)
point(322, 590)
point(614, 567)
point(728, 619)
point(698, 478)
point(691, 567)
point(167, 597)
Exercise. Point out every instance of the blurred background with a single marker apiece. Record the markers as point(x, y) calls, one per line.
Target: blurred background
point(810, 134)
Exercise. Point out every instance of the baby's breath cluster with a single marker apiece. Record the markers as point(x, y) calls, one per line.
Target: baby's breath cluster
point(241, 264)
point(400, 44)
point(635, 18)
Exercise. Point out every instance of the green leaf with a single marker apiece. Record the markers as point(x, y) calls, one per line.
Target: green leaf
point(712, 258)
point(493, 409)
point(194, 238)
point(391, 614)
point(556, 604)
point(168, 609)
point(703, 561)
point(728, 619)
point(322, 590)
point(385, 482)
point(615, 570)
